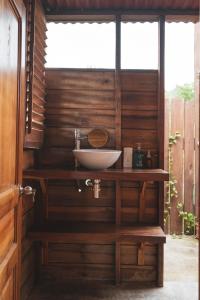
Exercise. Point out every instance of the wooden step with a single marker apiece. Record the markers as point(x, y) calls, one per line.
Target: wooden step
point(94, 231)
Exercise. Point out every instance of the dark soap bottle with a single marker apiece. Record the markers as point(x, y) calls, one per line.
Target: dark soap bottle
point(148, 160)
point(138, 158)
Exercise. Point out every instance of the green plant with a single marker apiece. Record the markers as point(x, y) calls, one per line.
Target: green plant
point(184, 92)
point(171, 185)
point(188, 218)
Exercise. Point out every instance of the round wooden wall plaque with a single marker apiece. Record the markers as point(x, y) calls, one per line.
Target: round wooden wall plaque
point(98, 138)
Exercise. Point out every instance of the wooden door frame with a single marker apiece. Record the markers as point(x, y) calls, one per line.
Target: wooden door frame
point(20, 12)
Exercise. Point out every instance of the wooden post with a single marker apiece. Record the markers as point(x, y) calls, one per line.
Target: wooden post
point(118, 86)
point(118, 139)
point(161, 113)
point(161, 138)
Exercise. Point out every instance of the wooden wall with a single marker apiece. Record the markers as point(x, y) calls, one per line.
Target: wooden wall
point(85, 99)
point(184, 156)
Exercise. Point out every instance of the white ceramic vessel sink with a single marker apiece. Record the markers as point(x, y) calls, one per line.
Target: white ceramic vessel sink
point(96, 159)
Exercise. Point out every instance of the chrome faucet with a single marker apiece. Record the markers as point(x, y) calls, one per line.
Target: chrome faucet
point(78, 138)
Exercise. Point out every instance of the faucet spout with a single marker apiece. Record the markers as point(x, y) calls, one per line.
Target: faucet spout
point(77, 137)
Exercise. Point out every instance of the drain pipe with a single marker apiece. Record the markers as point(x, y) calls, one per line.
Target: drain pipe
point(95, 185)
point(96, 188)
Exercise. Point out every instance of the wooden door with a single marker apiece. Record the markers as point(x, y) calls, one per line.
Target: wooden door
point(12, 67)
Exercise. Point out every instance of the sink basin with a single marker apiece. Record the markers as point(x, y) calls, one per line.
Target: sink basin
point(96, 159)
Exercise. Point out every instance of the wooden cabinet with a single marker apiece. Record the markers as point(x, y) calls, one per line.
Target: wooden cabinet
point(145, 264)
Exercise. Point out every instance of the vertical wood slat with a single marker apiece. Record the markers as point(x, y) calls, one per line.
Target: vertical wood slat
point(189, 146)
point(178, 163)
point(197, 115)
point(166, 163)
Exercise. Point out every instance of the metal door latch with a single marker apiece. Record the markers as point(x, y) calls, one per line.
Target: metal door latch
point(27, 190)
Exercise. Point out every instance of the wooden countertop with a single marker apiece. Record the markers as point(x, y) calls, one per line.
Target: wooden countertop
point(109, 174)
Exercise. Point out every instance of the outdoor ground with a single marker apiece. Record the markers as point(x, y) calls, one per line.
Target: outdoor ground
point(180, 280)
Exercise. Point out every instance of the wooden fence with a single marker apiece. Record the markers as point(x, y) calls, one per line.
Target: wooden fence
point(181, 118)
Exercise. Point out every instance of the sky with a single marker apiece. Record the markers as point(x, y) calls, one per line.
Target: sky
point(93, 46)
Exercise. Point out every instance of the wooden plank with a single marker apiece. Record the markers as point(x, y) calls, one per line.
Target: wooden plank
point(80, 118)
point(95, 231)
point(84, 80)
point(79, 214)
point(197, 116)
point(8, 200)
point(129, 254)
point(109, 174)
point(178, 163)
point(147, 138)
point(64, 137)
point(130, 215)
point(189, 154)
point(139, 81)
point(6, 234)
point(118, 87)
point(138, 274)
point(62, 196)
point(142, 100)
point(8, 265)
point(81, 253)
point(7, 292)
point(78, 272)
point(139, 120)
point(80, 99)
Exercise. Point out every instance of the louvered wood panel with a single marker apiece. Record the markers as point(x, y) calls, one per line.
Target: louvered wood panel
point(35, 97)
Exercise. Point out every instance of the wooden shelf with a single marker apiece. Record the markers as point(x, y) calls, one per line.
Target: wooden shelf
point(110, 174)
point(93, 231)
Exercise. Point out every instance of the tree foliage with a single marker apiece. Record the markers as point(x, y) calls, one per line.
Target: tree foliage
point(184, 92)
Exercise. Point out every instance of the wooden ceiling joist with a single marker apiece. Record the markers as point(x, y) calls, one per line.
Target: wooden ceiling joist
point(56, 5)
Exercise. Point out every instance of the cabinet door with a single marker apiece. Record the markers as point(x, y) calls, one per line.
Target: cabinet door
point(12, 82)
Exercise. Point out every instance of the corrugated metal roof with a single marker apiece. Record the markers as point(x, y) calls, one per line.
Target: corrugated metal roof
point(55, 5)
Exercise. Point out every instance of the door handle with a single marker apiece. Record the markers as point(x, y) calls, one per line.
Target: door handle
point(27, 191)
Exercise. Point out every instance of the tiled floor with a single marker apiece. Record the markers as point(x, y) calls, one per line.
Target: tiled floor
point(181, 276)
